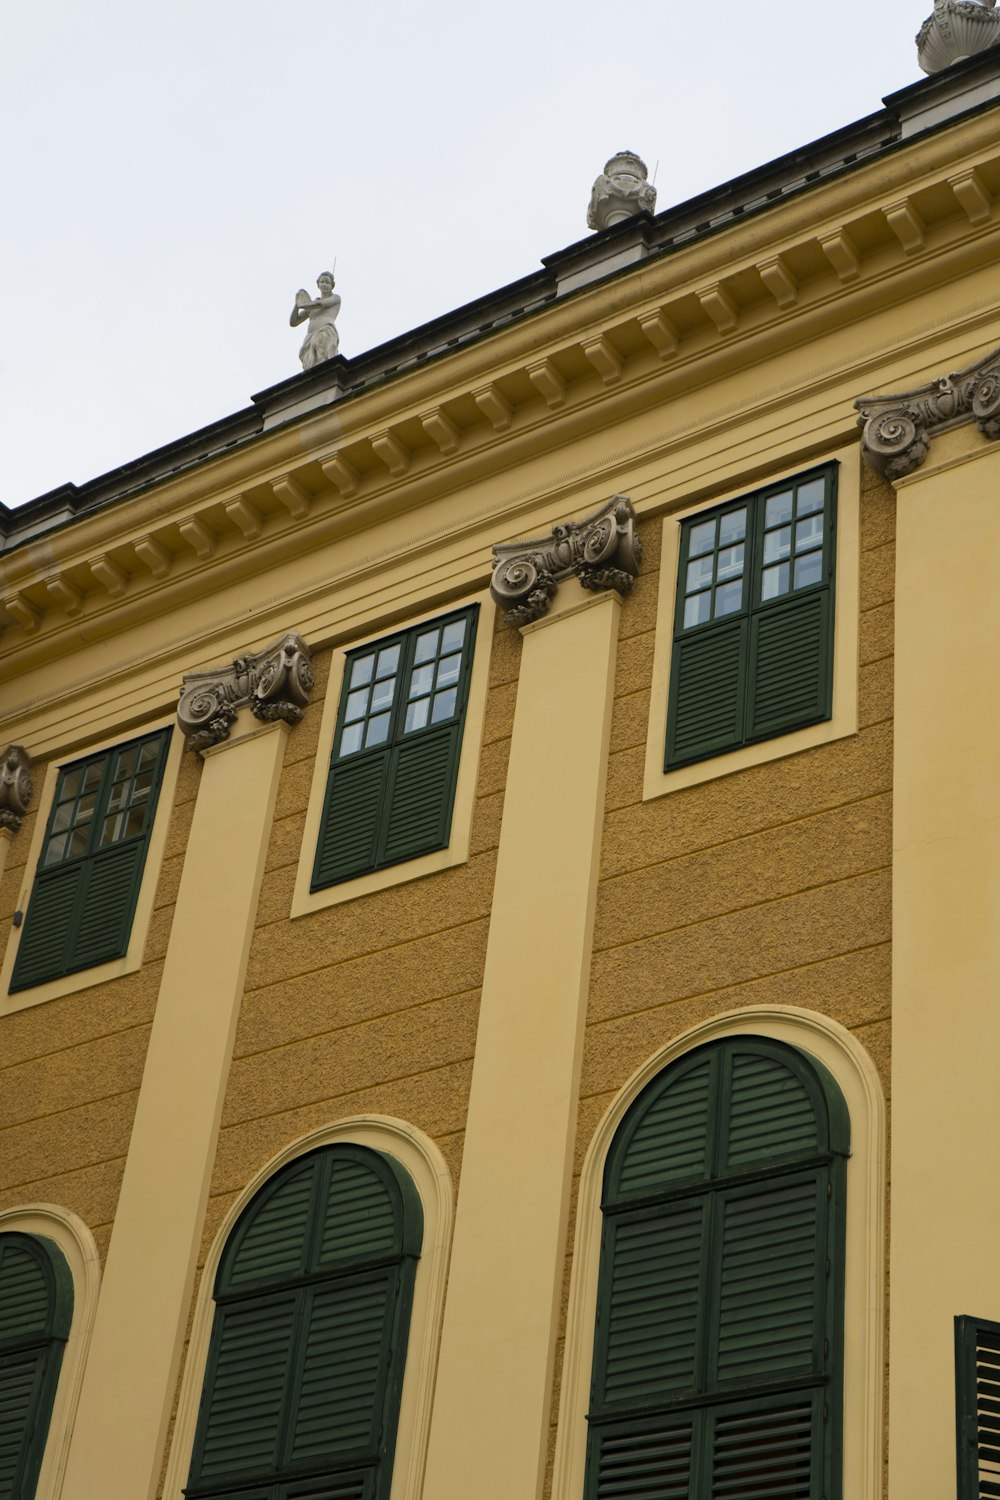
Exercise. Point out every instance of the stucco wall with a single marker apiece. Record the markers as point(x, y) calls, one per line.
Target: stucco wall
point(771, 886)
point(70, 1068)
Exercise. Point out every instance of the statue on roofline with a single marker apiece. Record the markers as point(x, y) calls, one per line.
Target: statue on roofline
point(322, 339)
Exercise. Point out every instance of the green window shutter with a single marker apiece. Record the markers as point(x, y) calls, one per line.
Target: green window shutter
point(718, 1331)
point(707, 693)
point(44, 949)
point(85, 892)
point(307, 1355)
point(790, 666)
point(36, 1306)
point(420, 795)
point(977, 1396)
point(348, 840)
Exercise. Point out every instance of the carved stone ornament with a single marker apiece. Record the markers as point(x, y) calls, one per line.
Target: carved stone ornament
point(896, 430)
point(604, 552)
point(957, 29)
point(15, 786)
point(275, 684)
point(620, 191)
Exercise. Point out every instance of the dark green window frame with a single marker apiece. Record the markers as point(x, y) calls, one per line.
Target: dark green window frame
point(91, 863)
point(718, 1337)
point(305, 1366)
point(977, 1402)
point(396, 750)
point(752, 652)
point(36, 1310)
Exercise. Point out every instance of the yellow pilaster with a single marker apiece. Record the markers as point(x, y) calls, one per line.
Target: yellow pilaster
point(945, 1210)
point(131, 1374)
point(491, 1412)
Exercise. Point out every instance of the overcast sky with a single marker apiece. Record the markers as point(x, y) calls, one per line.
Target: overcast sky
point(171, 173)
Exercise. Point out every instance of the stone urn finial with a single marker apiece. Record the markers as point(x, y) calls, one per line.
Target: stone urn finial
point(620, 191)
point(957, 29)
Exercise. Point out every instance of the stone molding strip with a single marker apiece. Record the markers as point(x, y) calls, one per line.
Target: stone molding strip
point(603, 551)
point(273, 684)
point(15, 786)
point(896, 430)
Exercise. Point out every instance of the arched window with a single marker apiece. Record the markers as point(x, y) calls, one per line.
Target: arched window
point(308, 1345)
point(36, 1309)
point(717, 1354)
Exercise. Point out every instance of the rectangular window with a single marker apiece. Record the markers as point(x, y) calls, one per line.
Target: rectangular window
point(753, 627)
point(977, 1392)
point(396, 749)
point(91, 862)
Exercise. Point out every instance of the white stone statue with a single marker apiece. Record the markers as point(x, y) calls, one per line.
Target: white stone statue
point(620, 191)
point(322, 339)
point(957, 29)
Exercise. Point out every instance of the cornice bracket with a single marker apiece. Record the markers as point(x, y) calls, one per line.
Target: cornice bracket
point(273, 684)
point(603, 551)
point(896, 430)
point(15, 786)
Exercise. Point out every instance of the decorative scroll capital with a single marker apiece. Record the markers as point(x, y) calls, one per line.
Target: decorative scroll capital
point(604, 551)
point(274, 684)
point(15, 786)
point(896, 430)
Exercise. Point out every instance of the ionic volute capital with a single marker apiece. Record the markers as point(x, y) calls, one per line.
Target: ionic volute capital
point(273, 684)
point(604, 552)
point(896, 430)
point(15, 786)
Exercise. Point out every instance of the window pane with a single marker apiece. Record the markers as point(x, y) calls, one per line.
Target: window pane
point(93, 774)
point(71, 784)
point(774, 582)
point(448, 669)
point(119, 796)
point(134, 820)
point(85, 808)
point(699, 573)
point(427, 645)
point(702, 538)
point(350, 740)
point(148, 754)
point(778, 509)
point(777, 544)
point(732, 527)
point(809, 533)
point(416, 715)
point(808, 569)
point(56, 849)
point(454, 635)
point(382, 694)
point(388, 661)
point(378, 730)
point(77, 842)
point(810, 496)
point(126, 763)
point(729, 599)
point(361, 672)
point(142, 785)
point(111, 829)
point(62, 817)
point(357, 706)
point(421, 681)
point(697, 609)
point(444, 705)
point(730, 563)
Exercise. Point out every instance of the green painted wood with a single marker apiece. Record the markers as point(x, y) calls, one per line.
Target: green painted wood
point(977, 1396)
point(22, 1385)
point(420, 795)
point(36, 1308)
point(789, 676)
point(651, 1463)
point(82, 907)
point(26, 1293)
point(352, 816)
point(307, 1354)
point(720, 1286)
point(707, 693)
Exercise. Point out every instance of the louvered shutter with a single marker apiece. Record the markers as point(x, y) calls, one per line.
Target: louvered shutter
point(338, 1406)
point(707, 694)
point(110, 891)
point(246, 1389)
point(767, 1451)
point(272, 1244)
point(420, 794)
point(22, 1380)
point(642, 1462)
point(44, 947)
point(349, 835)
point(977, 1366)
point(789, 672)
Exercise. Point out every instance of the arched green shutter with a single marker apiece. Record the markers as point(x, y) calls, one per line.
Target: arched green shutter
point(308, 1345)
point(36, 1305)
point(716, 1359)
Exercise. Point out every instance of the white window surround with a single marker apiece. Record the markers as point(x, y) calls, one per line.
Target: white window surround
point(457, 852)
point(844, 719)
point(72, 1237)
point(846, 1060)
point(84, 979)
point(420, 1157)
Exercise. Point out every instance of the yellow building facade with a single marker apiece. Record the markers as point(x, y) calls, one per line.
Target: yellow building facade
point(489, 1006)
